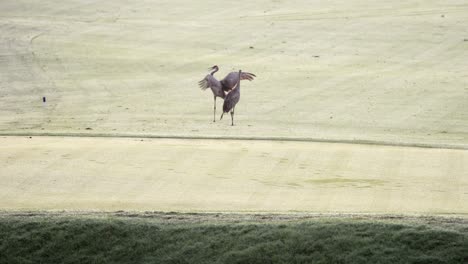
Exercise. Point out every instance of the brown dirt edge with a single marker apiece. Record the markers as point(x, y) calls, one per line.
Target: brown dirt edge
point(184, 217)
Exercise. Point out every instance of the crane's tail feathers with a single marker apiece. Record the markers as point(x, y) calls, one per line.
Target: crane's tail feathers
point(247, 76)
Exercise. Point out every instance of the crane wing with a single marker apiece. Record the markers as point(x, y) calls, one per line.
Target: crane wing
point(230, 81)
point(209, 82)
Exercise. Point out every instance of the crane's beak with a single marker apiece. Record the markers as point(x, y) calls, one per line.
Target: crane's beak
point(212, 68)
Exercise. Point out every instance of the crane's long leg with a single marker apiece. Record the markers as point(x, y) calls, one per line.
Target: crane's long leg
point(232, 117)
point(214, 111)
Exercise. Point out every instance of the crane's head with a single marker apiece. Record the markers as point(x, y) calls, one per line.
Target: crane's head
point(214, 67)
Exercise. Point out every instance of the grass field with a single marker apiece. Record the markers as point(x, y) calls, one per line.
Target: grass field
point(354, 72)
point(343, 70)
point(358, 107)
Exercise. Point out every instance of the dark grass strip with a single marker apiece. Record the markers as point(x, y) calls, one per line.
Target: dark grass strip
point(113, 240)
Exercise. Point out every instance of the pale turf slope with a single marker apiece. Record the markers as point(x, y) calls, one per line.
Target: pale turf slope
point(52, 173)
point(387, 70)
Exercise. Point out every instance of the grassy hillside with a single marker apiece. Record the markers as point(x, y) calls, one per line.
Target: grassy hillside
point(387, 70)
point(143, 240)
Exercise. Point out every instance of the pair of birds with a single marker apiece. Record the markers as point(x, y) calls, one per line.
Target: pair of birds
point(228, 89)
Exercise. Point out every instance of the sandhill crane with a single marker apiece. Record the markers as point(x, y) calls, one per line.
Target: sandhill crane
point(232, 98)
point(220, 88)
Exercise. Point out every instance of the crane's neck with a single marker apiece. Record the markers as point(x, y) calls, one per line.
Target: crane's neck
point(238, 82)
point(214, 70)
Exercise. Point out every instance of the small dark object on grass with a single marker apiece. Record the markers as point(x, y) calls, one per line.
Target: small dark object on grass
point(465, 39)
point(251, 47)
point(88, 128)
point(44, 99)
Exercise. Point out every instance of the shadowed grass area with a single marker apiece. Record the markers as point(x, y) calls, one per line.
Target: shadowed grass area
point(138, 240)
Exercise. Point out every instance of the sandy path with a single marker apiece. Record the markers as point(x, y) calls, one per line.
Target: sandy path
point(44, 173)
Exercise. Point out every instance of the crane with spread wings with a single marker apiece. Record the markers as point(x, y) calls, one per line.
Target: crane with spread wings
point(223, 87)
point(231, 100)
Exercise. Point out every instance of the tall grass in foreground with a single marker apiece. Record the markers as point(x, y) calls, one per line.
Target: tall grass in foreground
point(117, 240)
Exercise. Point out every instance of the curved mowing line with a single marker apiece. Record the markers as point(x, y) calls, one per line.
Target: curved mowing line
point(287, 139)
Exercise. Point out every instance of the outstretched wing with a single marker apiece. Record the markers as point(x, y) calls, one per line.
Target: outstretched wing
point(209, 82)
point(230, 81)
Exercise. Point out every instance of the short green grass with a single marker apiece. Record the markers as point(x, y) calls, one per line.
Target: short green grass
point(137, 240)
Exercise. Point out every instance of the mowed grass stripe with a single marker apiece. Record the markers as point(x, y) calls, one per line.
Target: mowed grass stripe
point(264, 138)
point(79, 173)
